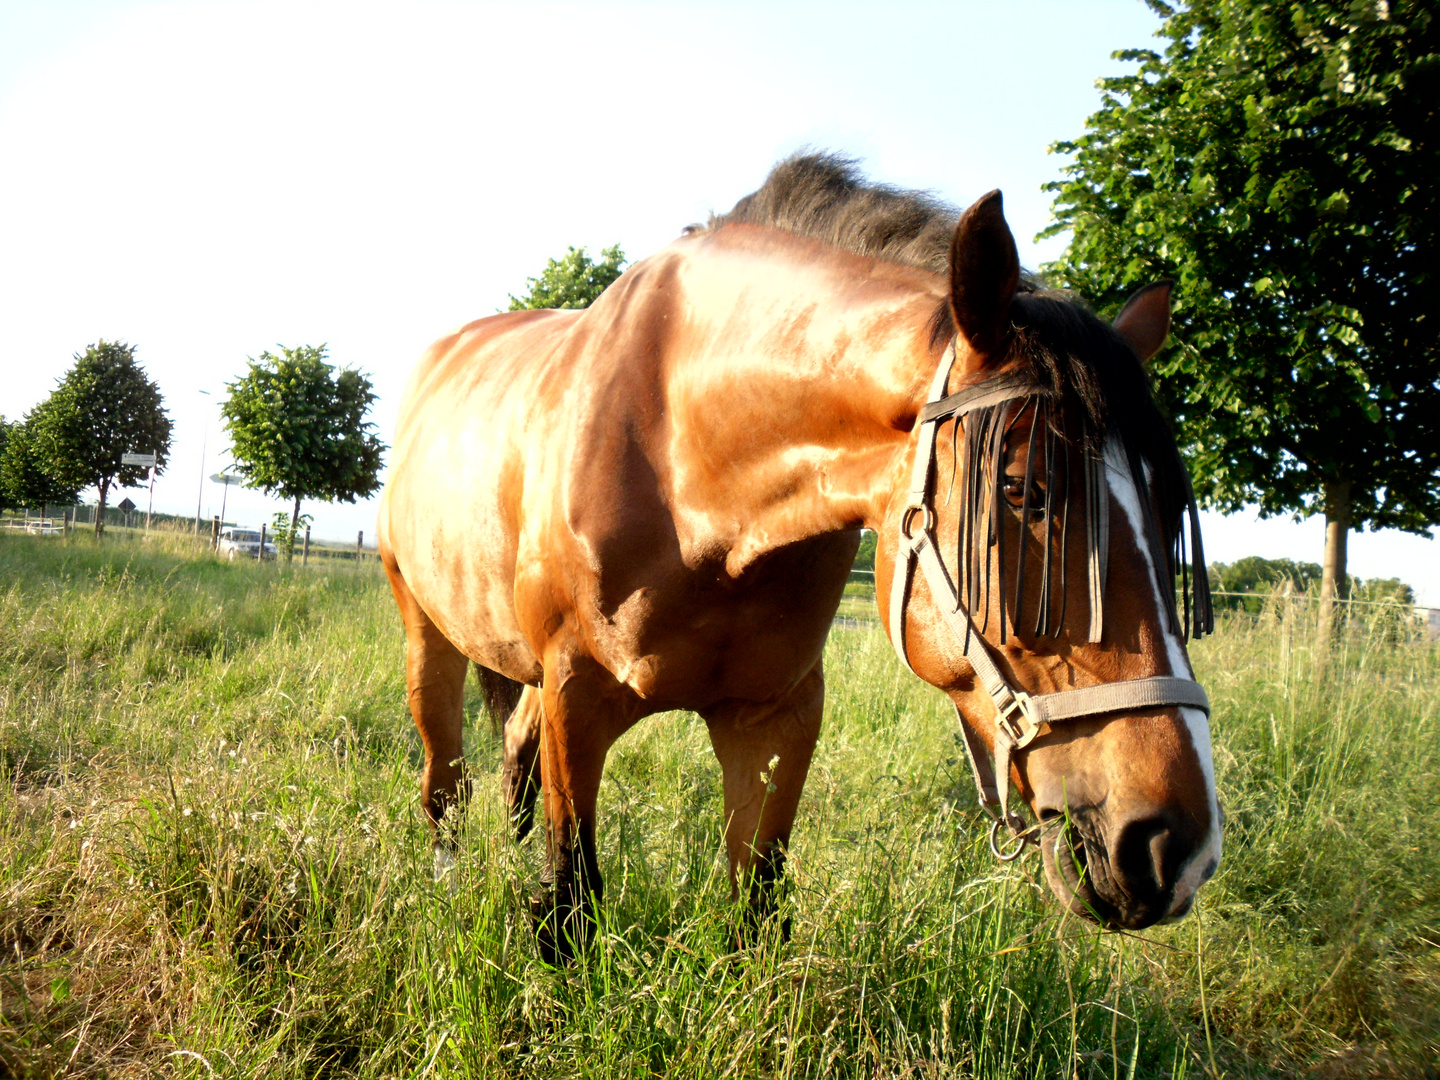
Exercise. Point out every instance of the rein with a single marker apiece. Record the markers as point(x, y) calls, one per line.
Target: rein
point(1019, 716)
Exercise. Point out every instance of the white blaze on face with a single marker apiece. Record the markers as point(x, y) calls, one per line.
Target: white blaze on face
point(1193, 873)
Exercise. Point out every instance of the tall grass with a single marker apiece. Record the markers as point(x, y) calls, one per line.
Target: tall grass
point(212, 864)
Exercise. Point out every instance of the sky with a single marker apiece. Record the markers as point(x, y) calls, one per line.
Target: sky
point(208, 180)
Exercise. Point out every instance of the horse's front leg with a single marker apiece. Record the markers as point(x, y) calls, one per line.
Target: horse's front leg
point(764, 750)
point(582, 715)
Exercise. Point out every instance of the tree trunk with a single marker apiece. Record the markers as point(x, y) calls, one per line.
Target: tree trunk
point(1337, 534)
point(100, 509)
point(290, 536)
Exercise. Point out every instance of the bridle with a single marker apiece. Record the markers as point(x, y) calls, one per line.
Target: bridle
point(1019, 716)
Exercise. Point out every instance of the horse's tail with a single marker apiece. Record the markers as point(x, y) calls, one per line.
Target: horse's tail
point(500, 695)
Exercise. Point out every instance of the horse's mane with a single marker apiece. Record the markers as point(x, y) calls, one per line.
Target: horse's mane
point(826, 197)
point(1064, 347)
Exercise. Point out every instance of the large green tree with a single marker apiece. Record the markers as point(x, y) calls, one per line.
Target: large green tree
point(103, 408)
point(572, 281)
point(298, 430)
point(24, 479)
point(1279, 163)
point(6, 427)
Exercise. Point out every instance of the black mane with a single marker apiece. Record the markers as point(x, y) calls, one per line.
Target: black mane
point(825, 196)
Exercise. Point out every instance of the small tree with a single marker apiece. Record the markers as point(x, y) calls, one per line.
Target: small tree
point(1253, 574)
point(103, 408)
point(572, 281)
point(298, 430)
point(1280, 162)
point(285, 530)
point(25, 480)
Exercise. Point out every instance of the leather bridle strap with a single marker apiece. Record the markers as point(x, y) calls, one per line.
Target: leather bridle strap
point(1018, 716)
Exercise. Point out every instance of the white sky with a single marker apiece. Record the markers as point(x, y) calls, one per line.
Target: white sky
point(208, 179)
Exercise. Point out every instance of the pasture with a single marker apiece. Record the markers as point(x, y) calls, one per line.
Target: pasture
point(213, 863)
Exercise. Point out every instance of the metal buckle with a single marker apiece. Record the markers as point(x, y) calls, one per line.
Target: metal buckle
point(926, 525)
point(1016, 715)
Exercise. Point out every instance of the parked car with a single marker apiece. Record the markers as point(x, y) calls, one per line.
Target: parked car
point(241, 543)
point(44, 527)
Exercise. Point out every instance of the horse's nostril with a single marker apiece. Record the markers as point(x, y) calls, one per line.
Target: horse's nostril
point(1145, 857)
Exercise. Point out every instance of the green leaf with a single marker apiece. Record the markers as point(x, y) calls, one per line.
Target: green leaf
point(1278, 164)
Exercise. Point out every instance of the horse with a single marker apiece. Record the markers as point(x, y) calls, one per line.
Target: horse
point(654, 503)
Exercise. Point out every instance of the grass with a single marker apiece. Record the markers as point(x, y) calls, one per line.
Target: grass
point(212, 863)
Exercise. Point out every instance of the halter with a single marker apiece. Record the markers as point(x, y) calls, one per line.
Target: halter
point(1018, 715)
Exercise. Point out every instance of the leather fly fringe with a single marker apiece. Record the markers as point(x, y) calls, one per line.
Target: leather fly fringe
point(1031, 581)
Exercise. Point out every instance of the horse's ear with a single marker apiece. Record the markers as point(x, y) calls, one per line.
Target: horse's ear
point(984, 271)
point(1144, 321)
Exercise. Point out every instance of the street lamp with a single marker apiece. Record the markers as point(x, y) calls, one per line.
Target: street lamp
point(200, 495)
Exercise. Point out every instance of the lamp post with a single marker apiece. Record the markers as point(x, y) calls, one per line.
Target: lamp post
point(200, 495)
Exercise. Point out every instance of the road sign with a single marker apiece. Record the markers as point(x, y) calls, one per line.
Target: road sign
point(125, 506)
point(227, 479)
point(145, 461)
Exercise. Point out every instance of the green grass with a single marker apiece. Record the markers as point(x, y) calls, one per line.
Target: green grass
point(212, 863)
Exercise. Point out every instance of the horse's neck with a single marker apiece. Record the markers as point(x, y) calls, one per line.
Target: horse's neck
point(795, 413)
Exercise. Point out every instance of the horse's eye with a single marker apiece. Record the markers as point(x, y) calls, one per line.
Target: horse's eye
point(1014, 488)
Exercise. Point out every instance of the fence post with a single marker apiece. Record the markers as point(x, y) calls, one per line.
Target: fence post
point(359, 544)
point(260, 551)
point(215, 533)
point(305, 550)
point(67, 524)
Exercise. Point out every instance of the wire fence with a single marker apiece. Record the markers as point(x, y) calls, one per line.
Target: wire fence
point(1405, 620)
point(1394, 619)
point(225, 540)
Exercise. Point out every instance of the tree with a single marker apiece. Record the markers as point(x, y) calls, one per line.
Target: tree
point(282, 526)
point(298, 430)
point(865, 554)
point(24, 480)
point(6, 427)
point(572, 281)
point(104, 407)
point(1380, 590)
point(1279, 162)
point(1254, 575)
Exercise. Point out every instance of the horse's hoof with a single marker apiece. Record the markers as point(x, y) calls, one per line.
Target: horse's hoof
point(445, 867)
point(546, 917)
point(561, 930)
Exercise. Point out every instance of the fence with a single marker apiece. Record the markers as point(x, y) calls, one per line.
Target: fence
point(1398, 621)
point(1391, 619)
point(178, 533)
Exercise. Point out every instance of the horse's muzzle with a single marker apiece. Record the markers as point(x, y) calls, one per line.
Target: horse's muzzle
point(1127, 874)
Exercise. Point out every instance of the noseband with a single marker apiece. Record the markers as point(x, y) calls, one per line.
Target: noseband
point(1019, 716)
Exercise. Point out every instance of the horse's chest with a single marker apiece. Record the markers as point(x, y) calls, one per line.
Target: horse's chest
point(686, 647)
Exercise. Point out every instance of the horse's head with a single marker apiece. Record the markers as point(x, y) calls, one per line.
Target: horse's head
point(1036, 555)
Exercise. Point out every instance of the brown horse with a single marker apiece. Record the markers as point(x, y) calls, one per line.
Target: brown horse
point(654, 504)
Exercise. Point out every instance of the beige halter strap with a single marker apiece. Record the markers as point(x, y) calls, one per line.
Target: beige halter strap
point(1018, 715)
